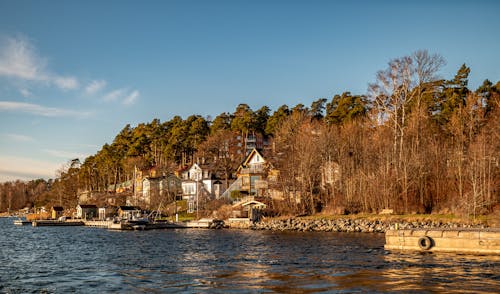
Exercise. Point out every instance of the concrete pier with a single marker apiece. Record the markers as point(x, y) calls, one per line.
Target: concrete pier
point(476, 241)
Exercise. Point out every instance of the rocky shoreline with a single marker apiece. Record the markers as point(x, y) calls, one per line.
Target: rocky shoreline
point(354, 225)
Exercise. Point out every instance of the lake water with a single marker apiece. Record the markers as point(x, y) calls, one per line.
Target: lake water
point(91, 260)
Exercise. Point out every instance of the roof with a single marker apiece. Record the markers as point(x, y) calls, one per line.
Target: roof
point(87, 205)
point(249, 157)
point(253, 203)
point(126, 207)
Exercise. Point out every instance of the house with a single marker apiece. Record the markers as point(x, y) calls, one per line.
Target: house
point(201, 178)
point(251, 141)
point(129, 212)
point(253, 209)
point(253, 174)
point(255, 177)
point(86, 211)
point(156, 191)
point(106, 212)
point(56, 212)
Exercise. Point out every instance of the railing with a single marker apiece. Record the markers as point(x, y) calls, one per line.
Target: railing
point(252, 170)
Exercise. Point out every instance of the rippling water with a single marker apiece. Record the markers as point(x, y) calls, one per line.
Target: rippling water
point(90, 260)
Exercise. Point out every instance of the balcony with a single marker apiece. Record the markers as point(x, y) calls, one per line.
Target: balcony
point(252, 170)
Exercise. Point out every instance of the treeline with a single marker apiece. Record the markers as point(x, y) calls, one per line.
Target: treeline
point(413, 143)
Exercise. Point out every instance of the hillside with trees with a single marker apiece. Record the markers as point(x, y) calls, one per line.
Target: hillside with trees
point(414, 143)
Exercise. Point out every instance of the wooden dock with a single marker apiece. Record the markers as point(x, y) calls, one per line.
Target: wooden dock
point(476, 241)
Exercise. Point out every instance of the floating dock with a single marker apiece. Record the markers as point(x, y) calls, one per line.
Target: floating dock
point(476, 241)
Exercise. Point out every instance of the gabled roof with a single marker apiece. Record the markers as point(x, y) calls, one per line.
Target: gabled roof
point(253, 153)
point(126, 207)
point(249, 157)
point(87, 205)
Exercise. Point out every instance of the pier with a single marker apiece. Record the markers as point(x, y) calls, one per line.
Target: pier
point(476, 241)
point(40, 223)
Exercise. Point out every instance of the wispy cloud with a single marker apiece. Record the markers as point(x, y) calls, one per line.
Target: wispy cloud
point(19, 59)
point(64, 154)
point(66, 83)
point(36, 109)
point(26, 93)
point(131, 98)
point(95, 86)
point(114, 95)
point(19, 138)
point(125, 96)
point(12, 167)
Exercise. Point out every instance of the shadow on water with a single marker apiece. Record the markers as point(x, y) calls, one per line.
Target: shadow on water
point(89, 260)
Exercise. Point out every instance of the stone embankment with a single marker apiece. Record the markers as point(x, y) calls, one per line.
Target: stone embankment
point(353, 225)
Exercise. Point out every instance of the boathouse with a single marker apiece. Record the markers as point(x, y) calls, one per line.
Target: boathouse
point(86, 211)
point(56, 212)
point(107, 212)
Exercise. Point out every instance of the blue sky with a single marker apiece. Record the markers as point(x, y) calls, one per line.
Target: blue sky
point(74, 73)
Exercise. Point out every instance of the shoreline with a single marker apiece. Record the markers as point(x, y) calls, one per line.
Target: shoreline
point(361, 225)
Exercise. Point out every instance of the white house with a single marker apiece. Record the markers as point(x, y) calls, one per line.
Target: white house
point(199, 181)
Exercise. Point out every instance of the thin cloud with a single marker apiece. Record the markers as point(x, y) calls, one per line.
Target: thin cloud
point(95, 86)
point(19, 138)
point(26, 93)
point(12, 167)
point(36, 109)
point(114, 95)
point(64, 154)
point(19, 59)
point(66, 83)
point(131, 98)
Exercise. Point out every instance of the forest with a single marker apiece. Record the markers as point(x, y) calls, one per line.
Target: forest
point(414, 143)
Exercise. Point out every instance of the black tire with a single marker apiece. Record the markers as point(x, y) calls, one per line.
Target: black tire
point(425, 243)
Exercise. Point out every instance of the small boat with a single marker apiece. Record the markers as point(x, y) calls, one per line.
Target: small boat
point(20, 222)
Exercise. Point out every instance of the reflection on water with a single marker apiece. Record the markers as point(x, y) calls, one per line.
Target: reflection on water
point(88, 260)
point(443, 272)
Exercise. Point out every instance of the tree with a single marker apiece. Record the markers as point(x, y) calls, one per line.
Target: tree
point(220, 149)
point(345, 108)
point(317, 109)
point(276, 119)
point(243, 119)
point(221, 122)
point(453, 96)
point(261, 118)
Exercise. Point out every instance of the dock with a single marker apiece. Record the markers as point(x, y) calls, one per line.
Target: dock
point(110, 225)
point(125, 225)
point(474, 241)
point(40, 223)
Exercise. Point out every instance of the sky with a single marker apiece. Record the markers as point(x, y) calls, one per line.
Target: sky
point(74, 73)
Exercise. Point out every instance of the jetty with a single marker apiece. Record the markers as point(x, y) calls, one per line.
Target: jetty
point(475, 241)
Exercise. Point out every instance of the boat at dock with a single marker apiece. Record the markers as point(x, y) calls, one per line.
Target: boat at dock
point(21, 222)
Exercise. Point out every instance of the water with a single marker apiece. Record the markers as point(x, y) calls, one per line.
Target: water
point(91, 260)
